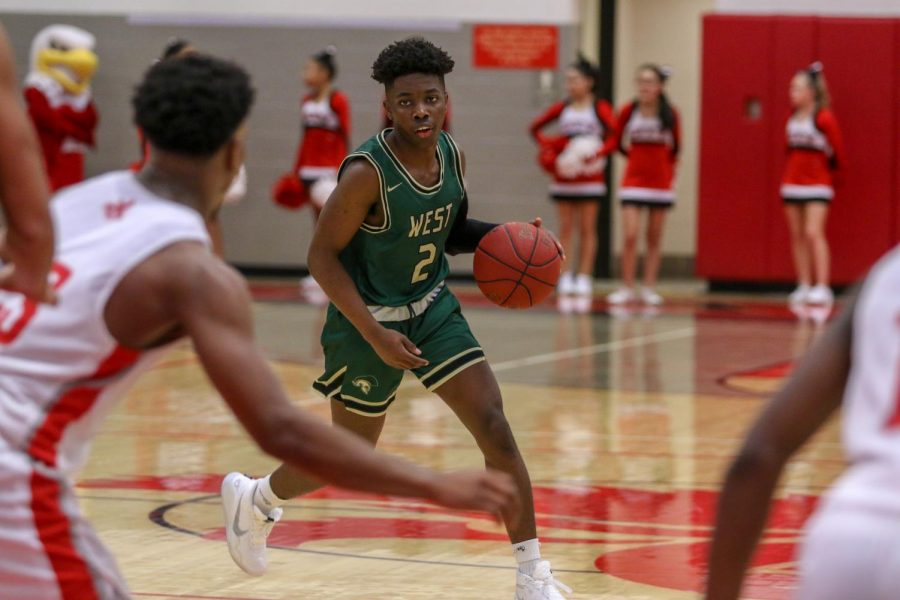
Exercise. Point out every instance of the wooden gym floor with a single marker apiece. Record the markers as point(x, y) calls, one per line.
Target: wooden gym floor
point(626, 421)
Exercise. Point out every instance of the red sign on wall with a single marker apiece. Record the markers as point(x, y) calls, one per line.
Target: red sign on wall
point(515, 46)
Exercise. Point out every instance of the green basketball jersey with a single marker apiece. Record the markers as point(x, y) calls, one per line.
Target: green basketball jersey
point(401, 261)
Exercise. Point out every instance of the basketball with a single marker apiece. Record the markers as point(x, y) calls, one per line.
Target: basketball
point(517, 265)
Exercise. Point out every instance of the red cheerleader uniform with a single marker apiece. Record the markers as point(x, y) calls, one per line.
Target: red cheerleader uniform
point(652, 152)
point(597, 121)
point(815, 151)
point(326, 137)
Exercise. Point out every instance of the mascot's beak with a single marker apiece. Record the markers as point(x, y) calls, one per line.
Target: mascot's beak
point(72, 69)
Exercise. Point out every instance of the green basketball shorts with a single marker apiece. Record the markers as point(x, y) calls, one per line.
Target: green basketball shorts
point(356, 375)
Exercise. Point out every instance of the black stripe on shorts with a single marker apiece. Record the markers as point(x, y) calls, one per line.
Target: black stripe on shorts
point(448, 368)
point(369, 409)
point(330, 389)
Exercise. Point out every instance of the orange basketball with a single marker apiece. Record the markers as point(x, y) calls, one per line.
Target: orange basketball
point(517, 265)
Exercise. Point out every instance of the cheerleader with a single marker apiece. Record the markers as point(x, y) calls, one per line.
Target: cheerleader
point(577, 158)
point(649, 135)
point(814, 153)
point(325, 121)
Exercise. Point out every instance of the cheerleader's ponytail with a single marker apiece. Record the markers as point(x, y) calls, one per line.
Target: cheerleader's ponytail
point(591, 71)
point(326, 58)
point(816, 74)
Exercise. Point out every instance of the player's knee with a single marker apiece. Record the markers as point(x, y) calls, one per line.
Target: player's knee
point(499, 436)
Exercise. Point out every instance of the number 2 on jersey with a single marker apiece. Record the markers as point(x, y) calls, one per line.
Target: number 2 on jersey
point(419, 273)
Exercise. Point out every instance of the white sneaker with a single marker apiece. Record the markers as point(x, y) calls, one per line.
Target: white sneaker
point(566, 285)
point(541, 585)
point(799, 295)
point(584, 285)
point(820, 295)
point(650, 297)
point(621, 296)
point(246, 526)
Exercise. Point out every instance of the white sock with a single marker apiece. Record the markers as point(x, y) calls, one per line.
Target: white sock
point(264, 498)
point(528, 555)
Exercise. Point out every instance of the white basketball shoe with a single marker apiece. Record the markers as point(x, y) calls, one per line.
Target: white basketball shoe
point(246, 526)
point(541, 585)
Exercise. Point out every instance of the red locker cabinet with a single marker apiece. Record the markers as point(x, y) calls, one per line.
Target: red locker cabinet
point(747, 65)
point(734, 174)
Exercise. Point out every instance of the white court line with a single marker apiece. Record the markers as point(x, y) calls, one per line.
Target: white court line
point(539, 359)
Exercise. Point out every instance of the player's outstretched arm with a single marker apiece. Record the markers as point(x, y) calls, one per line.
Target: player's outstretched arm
point(27, 247)
point(352, 201)
point(213, 305)
point(811, 396)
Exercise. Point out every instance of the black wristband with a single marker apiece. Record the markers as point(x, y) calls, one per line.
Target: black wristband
point(464, 239)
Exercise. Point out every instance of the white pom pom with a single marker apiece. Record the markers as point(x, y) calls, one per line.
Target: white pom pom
point(331, 50)
point(594, 166)
point(321, 190)
point(576, 158)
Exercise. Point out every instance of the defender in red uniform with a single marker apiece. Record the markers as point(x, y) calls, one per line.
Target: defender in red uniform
point(577, 158)
point(815, 152)
point(650, 136)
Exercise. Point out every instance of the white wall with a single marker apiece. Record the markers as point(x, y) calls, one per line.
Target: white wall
point(812, 7)
point(520, 11)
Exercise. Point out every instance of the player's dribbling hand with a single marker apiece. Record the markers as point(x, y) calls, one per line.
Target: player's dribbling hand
point(537, 223)
point(397, 351)
point(25, 267)
point(490, 491)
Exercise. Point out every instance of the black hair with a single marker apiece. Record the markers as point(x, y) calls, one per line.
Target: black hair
point(412, 55)
point(325, 58)
point(193, 105)
point(666, 112)
point(816, 75)
point(173, 47)
point(591, 71)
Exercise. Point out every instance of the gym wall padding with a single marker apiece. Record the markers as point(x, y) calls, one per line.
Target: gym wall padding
point(734, 148)
point(742, 234)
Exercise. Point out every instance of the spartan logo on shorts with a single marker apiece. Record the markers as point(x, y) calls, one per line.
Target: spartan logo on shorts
point(365, 383)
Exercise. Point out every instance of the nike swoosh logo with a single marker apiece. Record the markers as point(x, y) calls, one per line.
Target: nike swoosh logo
point(235, 526)
point(391, 189)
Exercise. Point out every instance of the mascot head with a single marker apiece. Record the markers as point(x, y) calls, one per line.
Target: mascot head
point(66, 54)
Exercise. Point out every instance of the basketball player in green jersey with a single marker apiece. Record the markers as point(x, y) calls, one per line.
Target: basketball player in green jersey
point(379, 254)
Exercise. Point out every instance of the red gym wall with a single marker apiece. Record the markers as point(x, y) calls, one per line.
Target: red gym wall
point(742, 234)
